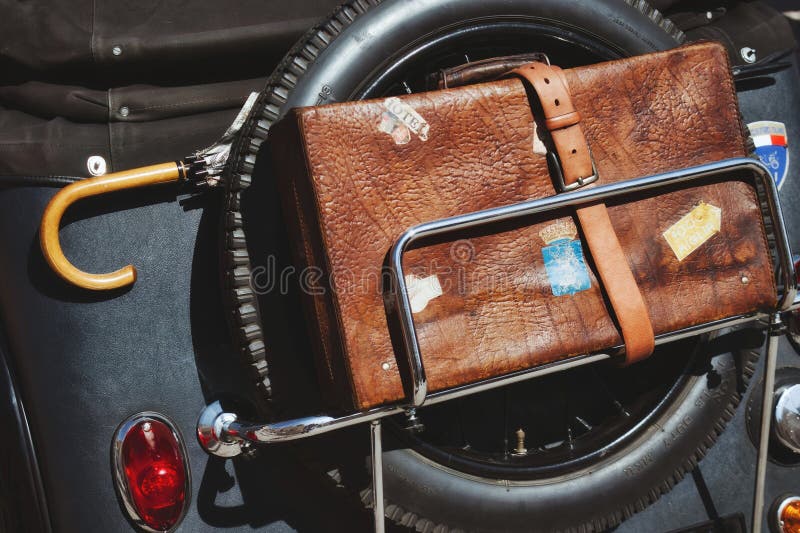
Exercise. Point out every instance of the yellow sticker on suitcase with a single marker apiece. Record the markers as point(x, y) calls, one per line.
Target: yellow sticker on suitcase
point(694, 229)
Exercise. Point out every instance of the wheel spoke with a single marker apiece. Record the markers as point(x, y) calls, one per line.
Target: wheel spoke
point(607, 390)
point(583, 423)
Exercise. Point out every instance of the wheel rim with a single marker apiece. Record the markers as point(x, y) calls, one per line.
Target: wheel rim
point(457, 433)
point(571, 420)
point(469, 41)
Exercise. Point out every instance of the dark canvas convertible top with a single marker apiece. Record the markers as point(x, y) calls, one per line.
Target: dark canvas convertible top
point(147, 81)
point(133, 82)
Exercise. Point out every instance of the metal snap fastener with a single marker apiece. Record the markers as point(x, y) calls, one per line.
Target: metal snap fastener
point(96, 165)
point(124, 111)
point(116, 50)
point(748, 54)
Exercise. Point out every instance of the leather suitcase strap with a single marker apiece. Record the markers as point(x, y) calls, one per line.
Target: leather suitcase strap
point(562, 121)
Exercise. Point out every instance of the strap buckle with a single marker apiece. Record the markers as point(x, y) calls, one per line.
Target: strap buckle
point(555, 165)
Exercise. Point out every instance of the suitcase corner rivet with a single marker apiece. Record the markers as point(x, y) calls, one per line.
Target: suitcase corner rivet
point(116, 50)
point(386, 366)
point(745, 279)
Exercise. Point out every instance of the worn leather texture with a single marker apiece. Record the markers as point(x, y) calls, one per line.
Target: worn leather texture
point(352, 181)
point(568, 141)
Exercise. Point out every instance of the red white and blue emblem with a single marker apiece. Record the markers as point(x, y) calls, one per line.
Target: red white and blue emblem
point(771, 142)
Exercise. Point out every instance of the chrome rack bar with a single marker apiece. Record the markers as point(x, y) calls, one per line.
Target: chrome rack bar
point(402, 304)
point(376, 451)
point(221, 433)
point(776, 329)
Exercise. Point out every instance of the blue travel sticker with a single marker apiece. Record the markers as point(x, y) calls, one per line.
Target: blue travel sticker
point(771, 147)
point(563, 259)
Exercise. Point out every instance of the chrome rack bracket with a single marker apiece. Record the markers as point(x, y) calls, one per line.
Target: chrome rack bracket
point(376, 450)
point(223, 434)
point(776, 330)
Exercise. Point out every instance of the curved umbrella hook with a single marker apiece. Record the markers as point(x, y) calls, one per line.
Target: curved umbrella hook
point(203, 168)
point(51, 221)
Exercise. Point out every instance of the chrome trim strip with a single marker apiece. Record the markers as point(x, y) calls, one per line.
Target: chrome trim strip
point(41, 521)
point(230, 430)
point(121, 481)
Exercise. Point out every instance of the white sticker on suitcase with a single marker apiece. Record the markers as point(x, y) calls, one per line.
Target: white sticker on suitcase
point(422, 290)
point(400, 120)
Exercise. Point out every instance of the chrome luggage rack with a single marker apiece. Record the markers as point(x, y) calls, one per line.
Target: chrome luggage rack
point(223, 434)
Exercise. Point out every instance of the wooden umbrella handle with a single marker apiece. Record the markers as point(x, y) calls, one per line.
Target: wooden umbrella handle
point(51, 220)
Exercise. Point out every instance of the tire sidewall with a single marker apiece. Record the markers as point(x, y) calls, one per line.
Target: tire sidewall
point(368, 44)
point(599, 496)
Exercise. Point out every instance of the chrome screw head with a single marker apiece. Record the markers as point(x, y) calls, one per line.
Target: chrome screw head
point(96, 165)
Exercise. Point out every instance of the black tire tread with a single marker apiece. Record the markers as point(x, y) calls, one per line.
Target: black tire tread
point(242, 307)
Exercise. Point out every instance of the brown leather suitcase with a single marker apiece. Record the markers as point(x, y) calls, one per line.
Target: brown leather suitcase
point(513, 295)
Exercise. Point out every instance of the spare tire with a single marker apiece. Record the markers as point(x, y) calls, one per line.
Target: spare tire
point(661, 428)
point(429, 486)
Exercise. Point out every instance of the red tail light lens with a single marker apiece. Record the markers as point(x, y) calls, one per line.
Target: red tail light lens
point(152, 472)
